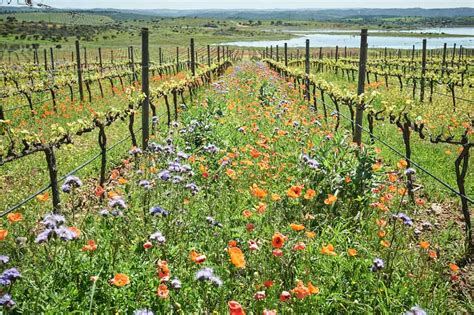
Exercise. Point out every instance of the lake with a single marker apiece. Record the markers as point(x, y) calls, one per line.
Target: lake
point(318, 38)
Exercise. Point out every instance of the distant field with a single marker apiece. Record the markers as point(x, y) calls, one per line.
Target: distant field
point(60, 18)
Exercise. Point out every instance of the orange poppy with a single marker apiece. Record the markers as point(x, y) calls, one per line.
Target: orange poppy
point(75, 230)
point(295, 192)
point(258, 192)
point(231, 173)
point(385, 243)
point(330, 199)
point(424, 245)
point(235, 308)
point(120, 280)
point(312, 289)
point(3, 234)
point(261, 208)
point(14, 217)
point(381, 233)
point(433, 254)
point(43, 197)
point(310, 234)
point(90, 247)
point(453, 267)
point(301, 291)
point(299, 246)
point(402, 164)
point(247, 213)
point(381, 222)
point(99, 191)
point(122, 181)
point(254, 153)
point(232, 243)
point(278, 240)
point(276, 197)
point(114, 174)
point(352, 252)
point(196, 257)
point(268, 283)
point(296, 227)
point(162, 291)
point(328, 250)
point(310, 194)
point(236, 257)
point(163, 270)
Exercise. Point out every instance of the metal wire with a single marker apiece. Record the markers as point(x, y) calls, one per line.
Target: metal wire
point(417, 165)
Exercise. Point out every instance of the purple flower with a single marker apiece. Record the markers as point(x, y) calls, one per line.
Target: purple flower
point(410, 171)
point(53, 220)
point(405, 219)
point(192, 187)
point(44, 236)
point(104, 212)
point(164, 175)
point(204, 274)
point(9, 276)
point(145, 184)
point(313, 164)
point(64, 233)
point(415, 310)
point(378, 264)
point(177, 179)
point(6, 300)
point(135, 151)
point(73, 181)
point(182, 155)
point(117, 202)
point(158, 237)
point(213, 222)
point(156, 211)
point(174, 167)
point(210, 148)
point(143, 312)
point(4, 259)
point(176, 284)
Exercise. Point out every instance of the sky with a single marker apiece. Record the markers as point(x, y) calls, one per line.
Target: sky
point(253, 4)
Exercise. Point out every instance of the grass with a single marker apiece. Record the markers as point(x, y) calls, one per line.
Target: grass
point(244, 137)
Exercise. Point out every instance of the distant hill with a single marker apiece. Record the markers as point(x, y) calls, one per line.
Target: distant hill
point(308, 14)
point(293, 14)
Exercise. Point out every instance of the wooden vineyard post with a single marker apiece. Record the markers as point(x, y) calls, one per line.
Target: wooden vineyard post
point(100, 59)
point(132, 64)
point(286, 55)
point(51, 53)
point(277, 54)
point(45, 55)
point(160, 56)
point(360, 87)
point(85, 57)
point(443, 64)
point(79, 70)
point(53, 177)
point(454, 54)
point(423, 72)
point(177, 59)
point(307, 69)
point(271, 51)
point(193, 58)
point(208, 55)
point(145, 90)
point(218, 54)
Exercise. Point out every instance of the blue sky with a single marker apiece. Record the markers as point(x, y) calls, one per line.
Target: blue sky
point(254, 4)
